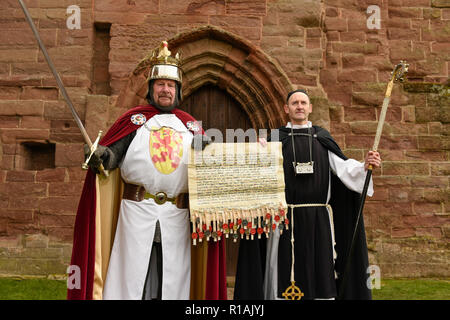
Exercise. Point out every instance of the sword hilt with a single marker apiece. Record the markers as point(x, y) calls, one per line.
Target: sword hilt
point(93, 148)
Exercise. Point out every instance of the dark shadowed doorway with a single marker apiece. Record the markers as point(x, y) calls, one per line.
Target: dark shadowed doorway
point(218, 109)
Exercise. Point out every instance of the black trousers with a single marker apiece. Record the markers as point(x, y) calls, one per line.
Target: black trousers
point(153, 280)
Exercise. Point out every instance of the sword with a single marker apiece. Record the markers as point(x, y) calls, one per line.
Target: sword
point(397, 75)
point(77, 119)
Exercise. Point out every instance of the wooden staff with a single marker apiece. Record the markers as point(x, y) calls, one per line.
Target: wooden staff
point(397, 75)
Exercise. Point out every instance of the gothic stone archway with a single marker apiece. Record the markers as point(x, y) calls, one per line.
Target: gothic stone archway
point(213, 56)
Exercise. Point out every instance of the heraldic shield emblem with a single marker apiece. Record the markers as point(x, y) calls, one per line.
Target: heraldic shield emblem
point(166, 149)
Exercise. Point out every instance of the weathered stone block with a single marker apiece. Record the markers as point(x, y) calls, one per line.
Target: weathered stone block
point(20, 176)
point(429, 142)
point(432, 114)
point(97, 108)
point(68, 155)
point(425, 155)
point(406, 54)
point(437, 195)
point(364, 127)
point(290, 31)
point(35, 241)
point(36, 93)
point(440, 169)
point(51, 175)
point(403, 34)
point(9, 266)
point(32, 267)
point(24, 203)
point(242, 7)
point(21, 188)
point(357, 24)
point(14, 135)
point(59, 205)
point(32, 122)
point(21, 108)
point(335, 24)
point(431, 13)
point(57, 220)
point(359, 114)
point(405, 12)
point(355, 47)
point(140, 6)
point(64, 188)
point(434, 233)
point(358, 142)
point(64, 234)
point(439, 33)
point(440, 3)
point(403, 232)
point(57, 110)
point(406, 169)
point(408, 114)
point(352, 60)
point(367, 98)
point(56, 266)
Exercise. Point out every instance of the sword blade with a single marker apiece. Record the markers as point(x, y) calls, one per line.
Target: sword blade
point(56, 75)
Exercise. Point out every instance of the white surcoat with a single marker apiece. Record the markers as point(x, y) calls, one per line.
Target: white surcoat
point(157, 159)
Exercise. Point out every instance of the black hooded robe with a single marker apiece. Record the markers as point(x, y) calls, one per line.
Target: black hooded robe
point(314, 264)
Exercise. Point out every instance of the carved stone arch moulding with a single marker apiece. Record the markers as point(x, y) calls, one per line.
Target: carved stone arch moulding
point(211, 55)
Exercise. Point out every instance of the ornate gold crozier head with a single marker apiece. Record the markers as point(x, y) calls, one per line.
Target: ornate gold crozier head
point(400, 71)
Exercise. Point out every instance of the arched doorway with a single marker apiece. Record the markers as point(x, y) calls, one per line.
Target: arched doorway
point(218, 109)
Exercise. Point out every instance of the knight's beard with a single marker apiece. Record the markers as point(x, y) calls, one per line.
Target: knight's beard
point(165, 108)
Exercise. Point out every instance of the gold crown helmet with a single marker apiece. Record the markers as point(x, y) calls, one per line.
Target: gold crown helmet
point(163, 66)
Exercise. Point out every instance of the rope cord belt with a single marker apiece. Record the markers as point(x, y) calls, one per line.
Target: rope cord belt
point(293, 292)
point(330, 215)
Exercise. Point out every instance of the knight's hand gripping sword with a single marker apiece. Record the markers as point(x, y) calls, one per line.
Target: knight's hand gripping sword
point(77, 119)
point(92, 149)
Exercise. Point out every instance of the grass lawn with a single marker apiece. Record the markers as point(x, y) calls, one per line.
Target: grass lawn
point(32, 289)
point(413, 289)
point(391, 289)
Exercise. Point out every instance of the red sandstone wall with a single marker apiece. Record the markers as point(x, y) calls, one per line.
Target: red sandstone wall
point(407, 220)
point(322, 45)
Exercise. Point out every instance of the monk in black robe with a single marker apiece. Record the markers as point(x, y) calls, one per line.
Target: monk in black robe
point(322, 188)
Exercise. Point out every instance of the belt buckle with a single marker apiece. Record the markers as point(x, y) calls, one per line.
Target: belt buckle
point(160, 197)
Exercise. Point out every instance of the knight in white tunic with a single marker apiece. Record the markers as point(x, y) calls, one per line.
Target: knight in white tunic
point(156, 160)
point(150, 256)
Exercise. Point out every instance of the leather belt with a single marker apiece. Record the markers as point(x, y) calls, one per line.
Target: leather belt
point(138, 193)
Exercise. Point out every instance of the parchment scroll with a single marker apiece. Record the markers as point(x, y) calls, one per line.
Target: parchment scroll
point(236, 189)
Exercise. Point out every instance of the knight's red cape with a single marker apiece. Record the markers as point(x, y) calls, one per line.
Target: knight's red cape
point(84, 238)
